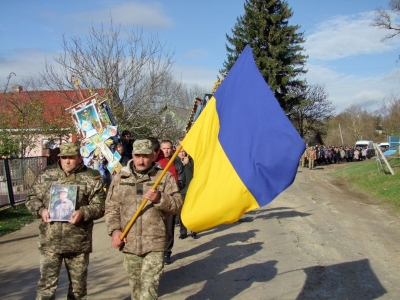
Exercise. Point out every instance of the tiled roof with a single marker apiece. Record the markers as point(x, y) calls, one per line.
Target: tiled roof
point(55, 103)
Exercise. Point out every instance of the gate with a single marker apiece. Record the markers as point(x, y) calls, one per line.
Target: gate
point(17, 176)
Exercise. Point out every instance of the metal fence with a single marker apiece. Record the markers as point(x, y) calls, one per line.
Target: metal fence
point(17, 176)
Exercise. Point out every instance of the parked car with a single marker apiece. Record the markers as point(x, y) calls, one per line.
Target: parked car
point(384, 146)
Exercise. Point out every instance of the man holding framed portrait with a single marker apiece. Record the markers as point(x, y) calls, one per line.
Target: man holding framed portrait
point(68, 197)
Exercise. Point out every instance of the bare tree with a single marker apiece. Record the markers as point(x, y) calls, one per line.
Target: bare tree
point(334, 135)
point(169, 128)
point(337, 134)
point(192, 92)
point(355, 124)
point(384, 19)
point(167, 125)
point(313, 111)
point(390, 111)
point(133, 69)
point(356, 121)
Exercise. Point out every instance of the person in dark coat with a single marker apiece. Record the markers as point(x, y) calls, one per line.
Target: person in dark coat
point(189, 167)
point(127, 143)
point(124, 159)
point(167, 149)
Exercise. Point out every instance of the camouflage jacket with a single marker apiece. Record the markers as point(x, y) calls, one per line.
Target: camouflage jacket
point(63, 237)
point(311, 154)
point(124, 197)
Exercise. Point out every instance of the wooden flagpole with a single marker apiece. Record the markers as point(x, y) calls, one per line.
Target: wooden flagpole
point(79, 88)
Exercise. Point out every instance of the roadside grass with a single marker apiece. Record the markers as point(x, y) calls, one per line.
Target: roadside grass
point(13, 218)
point(368, 177)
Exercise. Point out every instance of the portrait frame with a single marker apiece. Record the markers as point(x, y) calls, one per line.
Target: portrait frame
point(87, 117)
point(60, 210)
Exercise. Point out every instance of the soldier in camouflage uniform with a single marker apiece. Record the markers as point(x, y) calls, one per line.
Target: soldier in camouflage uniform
point(146, 241)
point(304, 158)
point(69, 241)
point(312, 157)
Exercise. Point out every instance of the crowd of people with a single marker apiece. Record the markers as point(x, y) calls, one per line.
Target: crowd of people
point(325, 155)
point(146, 247)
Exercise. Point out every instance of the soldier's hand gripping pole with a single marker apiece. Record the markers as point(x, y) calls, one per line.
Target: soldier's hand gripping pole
point(133, 219)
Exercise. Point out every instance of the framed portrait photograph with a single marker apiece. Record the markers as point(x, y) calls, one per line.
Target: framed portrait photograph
point(62, 202)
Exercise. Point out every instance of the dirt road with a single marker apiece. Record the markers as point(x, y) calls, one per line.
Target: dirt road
point(317, 240)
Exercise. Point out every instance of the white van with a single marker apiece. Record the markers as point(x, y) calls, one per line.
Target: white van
point(369, 144)
point(384, 146)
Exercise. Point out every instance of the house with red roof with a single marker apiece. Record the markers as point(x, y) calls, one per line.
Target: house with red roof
point(37, 117)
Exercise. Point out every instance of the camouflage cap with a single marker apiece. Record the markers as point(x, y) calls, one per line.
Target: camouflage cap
point(64, 190)
point(69, 149)
point(142, 147)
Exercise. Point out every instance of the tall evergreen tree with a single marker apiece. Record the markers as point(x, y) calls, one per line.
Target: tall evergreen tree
point(277, 47)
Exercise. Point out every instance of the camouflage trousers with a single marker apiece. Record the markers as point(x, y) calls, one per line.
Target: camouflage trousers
point(311, 164)
point(50, 266)
point(144, 274)
point(303, 161)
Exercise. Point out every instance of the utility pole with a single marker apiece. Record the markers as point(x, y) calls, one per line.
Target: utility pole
point(341, 136)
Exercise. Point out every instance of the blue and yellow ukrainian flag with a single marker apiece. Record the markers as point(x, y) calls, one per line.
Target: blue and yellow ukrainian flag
point(245, 150)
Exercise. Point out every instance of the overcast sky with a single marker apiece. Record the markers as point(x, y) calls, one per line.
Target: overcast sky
point(346, 54)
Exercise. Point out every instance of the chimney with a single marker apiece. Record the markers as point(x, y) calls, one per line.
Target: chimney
point(17, 89)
